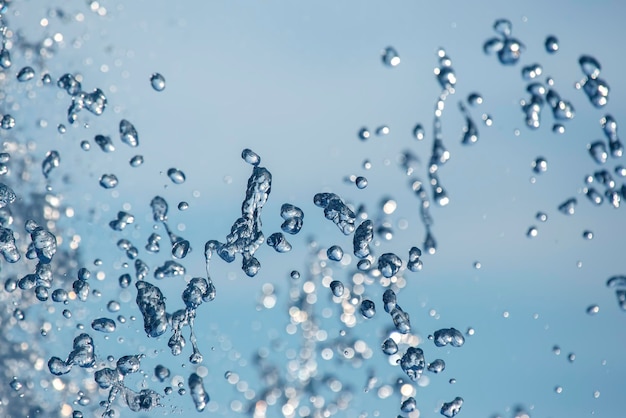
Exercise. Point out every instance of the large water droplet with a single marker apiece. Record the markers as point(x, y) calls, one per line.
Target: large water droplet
point(157, 81)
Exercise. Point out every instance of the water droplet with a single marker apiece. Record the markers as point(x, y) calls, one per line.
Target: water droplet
point(450, 336)
point(128, 133)
point(390, 57)
point(7, 122)
point(295, 275)
point(250, 157)
point(437, 366)
point(136, 161)
point(450, 409)
point(593, 309)
point(108, 181)
point(568, 207)
point(51, 161)
point(571, 357)
point(182, 206)
point(157, 81)
point(103, 325)
point(361, 182)
point(368, 309)
point(532, 232)
point(552, 44)
point(382, 130)
point(364, 134)
point(418, 132)
point(105, 143)
point(337, 288)
point(540, 165)
point(25, 74)
point(176, 175)
point(558, 389)
point(389, 347)
point(335, 253)
point(85, 145)
point(532, 71)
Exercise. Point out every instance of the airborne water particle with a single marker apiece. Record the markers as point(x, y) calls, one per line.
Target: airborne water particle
point(390, 57)
point(176, 175)
point(25, 74)
point(335, 253)
point(588, 235)
point(337, 288)
point(593, 309)
point(552, 44)
point(364, 134)
point(540, 165)
point(250, 157)
point(136, 161)
point(157, 81)
point(7, 122)
point(108, 181)
point(182, 206)
point(368, 309)
point(361, 182)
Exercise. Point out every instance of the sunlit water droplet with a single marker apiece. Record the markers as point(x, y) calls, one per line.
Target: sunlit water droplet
point(551, 44)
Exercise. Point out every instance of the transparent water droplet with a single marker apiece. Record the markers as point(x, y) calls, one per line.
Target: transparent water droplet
point(408, 405)
point(390, 57)
point(474, 99)
point(413, 363)
point(589, 66)
point(335, 253)
point(540, 165)
point(105, 325)
point(157, 81)
point(182, 206)
point(295, 275)
point(588, 235)
point(85, 145)
point(437, 366)
point(136, 161)
point(532, 71)
point(5, 58)
point(7, 122)
point(593, 309)
point(105, 143)
point(251, 157)
point(361, 182)
point(176, 175)
point(337, 288)
point(551, 44)
point(532, 232)
point(367, 309)
point(419, 132)
point(568, 207)
point(25, 74)
point(108, 181)
point(450, 409)
point(51, 161)
point(503, 27)
point(558, 128)
point(450, 336)
point(389, 347)
point(128, 133)
point(382, 130)
point(364, 134)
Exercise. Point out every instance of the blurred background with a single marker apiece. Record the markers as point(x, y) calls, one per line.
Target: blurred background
point(297, 84)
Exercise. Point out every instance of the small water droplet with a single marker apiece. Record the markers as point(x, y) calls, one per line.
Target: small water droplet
point(108, 181)
point(176, 175)
point(390, 57)
point(25, 74)
point(136, 161)
point(418, 132)
point(157, 81)
point(552, 44)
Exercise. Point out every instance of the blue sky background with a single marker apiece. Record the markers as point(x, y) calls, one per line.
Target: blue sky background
point(295, 82)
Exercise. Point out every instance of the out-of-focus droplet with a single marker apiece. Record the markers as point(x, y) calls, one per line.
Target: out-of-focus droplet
point(390, 57)
point(418, 132)
point(540, 165)
point(532, 232)
point(593, 309)
point(474, 99)
point(364, 134)
point(551, 44)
